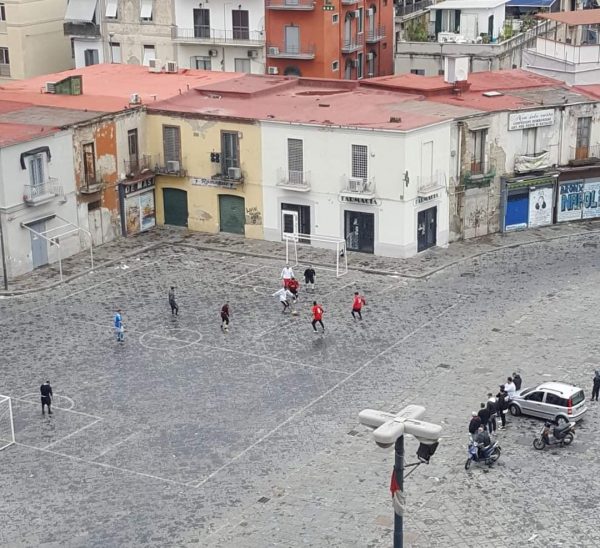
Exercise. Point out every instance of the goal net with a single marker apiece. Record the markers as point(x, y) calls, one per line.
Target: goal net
point(7, 429)
point(295, 242)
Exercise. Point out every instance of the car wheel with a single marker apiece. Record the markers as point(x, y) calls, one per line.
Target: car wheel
point(560, 420)
point(568, 439)
point(468, 464)
point(539, 443)
point(514, 409)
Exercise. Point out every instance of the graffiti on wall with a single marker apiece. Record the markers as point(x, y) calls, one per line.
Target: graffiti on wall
point(579, 200)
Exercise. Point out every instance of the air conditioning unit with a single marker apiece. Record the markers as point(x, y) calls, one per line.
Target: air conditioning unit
point(272, 70)
point(252, 53)
point(234, 173)
point(370, 56)
point(273, 51)
point(172, 166)
point(154, 65)
point(135, 99)
point(171, 67)
point(50, 87)
point(213, 52)
point(356, 184)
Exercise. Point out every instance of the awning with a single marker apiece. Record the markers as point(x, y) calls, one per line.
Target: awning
point(531, 3)
point(573, 18)
point(111, 8)
point(81, 10)
point(146, 9)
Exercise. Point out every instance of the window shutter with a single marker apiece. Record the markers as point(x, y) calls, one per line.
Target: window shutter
point(295, 156)
point(172, 143)
point(360, 162)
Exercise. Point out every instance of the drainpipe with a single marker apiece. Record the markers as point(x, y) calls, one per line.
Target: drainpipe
point(4, 273)
point(560, 135)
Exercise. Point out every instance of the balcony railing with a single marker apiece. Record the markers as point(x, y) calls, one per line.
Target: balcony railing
point(71, 28)
point(408, 8)
point(480, 173)
point(136, 166)
point(91, 185)
point(34, 195)
point(174, 168)
point(293, 180)
point(305, 5)
point(590, 153)
point(349, 2)
point(4, 70)
point(358, 187)
point(206, 35)
point(352, 43)
point(228, 180)
point(288, 51)
point(376, 34)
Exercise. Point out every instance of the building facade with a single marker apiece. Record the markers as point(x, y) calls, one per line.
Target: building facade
point(31, 38)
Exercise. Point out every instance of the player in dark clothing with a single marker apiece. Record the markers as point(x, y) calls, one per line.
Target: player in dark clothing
point(309, 278)
point(517, 380)
point(46, 396)
point(225, 316)
point(173, 302)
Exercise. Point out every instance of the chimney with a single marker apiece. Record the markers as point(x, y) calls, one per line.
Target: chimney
point(456, 69)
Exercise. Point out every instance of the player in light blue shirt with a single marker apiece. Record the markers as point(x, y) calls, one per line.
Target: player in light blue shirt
point(119, 329)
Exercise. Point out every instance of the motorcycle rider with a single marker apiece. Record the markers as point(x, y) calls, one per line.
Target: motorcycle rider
point(483, 441)
point(546, 432)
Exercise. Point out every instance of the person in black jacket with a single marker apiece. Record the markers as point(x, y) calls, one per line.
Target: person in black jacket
point(484, 415)
point(502, 405)
point(596, 385)
point(46, 396)
point(475, 423)
point(309, 278)
point(517, 380)
point(491, 406)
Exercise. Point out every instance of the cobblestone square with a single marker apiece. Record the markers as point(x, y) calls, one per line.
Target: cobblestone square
point(184, 435)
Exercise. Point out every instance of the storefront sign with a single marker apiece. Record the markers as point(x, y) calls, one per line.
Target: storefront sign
point(591, 199)
point(540, 206)
point(216, 182)
point(423, 199)
point(533, 118)
point(358, 200)
point(130, 188)
point(570, 201)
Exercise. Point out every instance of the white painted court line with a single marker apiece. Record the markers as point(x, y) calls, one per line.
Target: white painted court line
point(320, 398)
point(72, 434)
point(232, 280)
point(60, 408)
point(114, 446)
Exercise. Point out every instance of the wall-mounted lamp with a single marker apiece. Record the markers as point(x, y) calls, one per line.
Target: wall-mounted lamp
point(406, 178)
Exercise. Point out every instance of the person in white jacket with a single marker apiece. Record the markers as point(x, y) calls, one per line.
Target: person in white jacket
point(284, 297)
point(286, 275)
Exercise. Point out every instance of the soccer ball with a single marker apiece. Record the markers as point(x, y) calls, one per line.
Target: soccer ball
point(294, 313)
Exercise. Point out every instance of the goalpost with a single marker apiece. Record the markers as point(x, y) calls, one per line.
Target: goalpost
point(7, 427)
point(295, 239)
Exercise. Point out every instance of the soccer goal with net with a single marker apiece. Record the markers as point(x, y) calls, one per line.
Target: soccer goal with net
point(295, 241)
point(7, 428)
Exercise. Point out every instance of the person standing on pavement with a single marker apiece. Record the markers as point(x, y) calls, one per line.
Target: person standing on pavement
point(484, 415)
point(596, 385)
point(510, 388)
point(317, 315)
point(225, 312)
point(172, 302)
point(357, 305)
point(517, 380)
point(46, 397)
point(502, 405)
point(284, 295)
point(119, 328)
point(286, 275)
point(491, 406)
point(309, 278)
point(474, 423)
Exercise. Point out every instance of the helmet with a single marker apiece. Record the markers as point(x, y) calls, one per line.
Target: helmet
point(548, 424)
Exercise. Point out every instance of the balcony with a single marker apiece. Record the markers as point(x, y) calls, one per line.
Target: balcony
point(34, 195)
point(91, 185)
point(206, 35)
point(137, 166)
point(431, 183)
point(293, 180)
point(584, 155)
point(302, 5)
point(173, 168)
point(86, 30)
point(291, 52)
point(375, 35)
point(480, 173)
point(4, 70)
point(233, 178)
point(349, 2)
point(410, 8)
point(352, 43)
point(356, 189)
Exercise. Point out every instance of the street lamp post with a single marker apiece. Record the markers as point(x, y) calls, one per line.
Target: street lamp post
point(388, 430)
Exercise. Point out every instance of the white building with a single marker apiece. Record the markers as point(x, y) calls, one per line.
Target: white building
point(220, 35)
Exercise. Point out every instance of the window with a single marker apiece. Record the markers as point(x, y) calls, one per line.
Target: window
point(132, 145)
point(529, 140)
point(295, 161)
point(359, 22)
point(292, 39)
point(359, 65)
point(419, 72)
point(36, 170)
point(72, 48)
point(146, 10)
point(115, 52)
point(371, 64)
point(360, 162)
point(535, 396)
point(172, 144)
point(230, 153)
point(335, 18)
point(242, 65)
point(583, 138)
point(111, 9)
point(478, 139)
point(2, 12)
point(89, 164)
point(149, 54)
point(348, 69)
point(241, 28)
point(201, 62)
point(90, 57)
point(201, 23)
point(553, 399)
point(335, 66)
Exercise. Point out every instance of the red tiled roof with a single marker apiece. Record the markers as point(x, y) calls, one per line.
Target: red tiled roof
point(11, 134)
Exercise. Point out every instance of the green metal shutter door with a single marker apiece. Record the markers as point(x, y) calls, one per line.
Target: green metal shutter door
point(232, 214)
point(175, 206)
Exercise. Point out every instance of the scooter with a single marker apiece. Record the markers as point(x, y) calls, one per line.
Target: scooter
point(490, 454)
point(560, 435)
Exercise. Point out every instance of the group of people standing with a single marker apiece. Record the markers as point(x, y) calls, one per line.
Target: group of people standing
point(496, 407)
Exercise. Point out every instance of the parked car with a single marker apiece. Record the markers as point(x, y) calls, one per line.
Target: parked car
point(559, 402)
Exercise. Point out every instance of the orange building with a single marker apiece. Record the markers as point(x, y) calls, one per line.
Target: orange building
point(346, 39)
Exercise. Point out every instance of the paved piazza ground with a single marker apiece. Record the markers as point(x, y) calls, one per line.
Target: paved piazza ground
point(185, 436)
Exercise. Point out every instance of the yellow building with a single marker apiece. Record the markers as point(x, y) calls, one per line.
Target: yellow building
point(208, 172)
point(32, 40)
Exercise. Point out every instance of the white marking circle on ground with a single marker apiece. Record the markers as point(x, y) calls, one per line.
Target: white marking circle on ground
point(64, 402)
point(159, 339)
